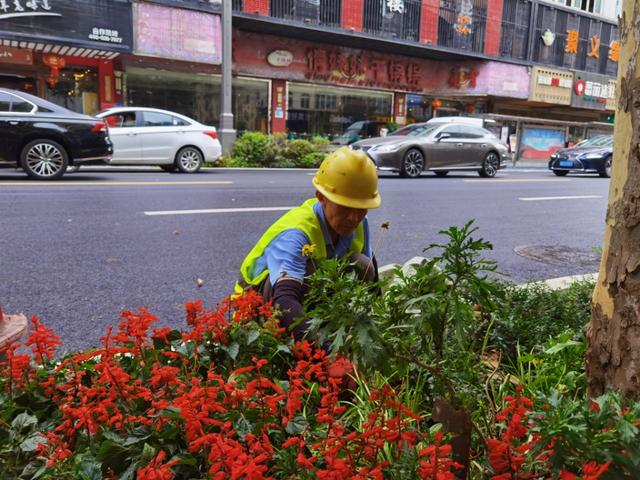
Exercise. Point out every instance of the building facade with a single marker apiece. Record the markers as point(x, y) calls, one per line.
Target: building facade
point(317, 67)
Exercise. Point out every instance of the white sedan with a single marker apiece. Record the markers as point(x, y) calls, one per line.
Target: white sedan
point(149, 136)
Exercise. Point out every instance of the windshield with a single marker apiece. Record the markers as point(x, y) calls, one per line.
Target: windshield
point(600, 141)
point(415, 130)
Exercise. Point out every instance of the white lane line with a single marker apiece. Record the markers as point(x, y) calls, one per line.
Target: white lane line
point(216, 210)
point(567, 197)
point(98, 183)
point(489, 181)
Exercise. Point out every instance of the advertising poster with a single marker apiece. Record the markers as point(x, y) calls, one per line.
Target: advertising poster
point(540, 143)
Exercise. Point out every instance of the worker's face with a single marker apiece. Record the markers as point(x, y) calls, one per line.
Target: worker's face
point(342, 220)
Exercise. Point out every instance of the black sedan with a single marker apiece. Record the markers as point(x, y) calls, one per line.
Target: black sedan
point(592, 155)
point(44, 139)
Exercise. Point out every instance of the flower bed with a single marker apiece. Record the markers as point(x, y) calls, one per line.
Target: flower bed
point(232, 396)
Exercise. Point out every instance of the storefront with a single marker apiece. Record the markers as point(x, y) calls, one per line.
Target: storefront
point(176, 66)
point(322, 89)
point(65, 51)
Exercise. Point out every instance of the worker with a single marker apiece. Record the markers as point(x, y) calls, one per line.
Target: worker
point(331, 225)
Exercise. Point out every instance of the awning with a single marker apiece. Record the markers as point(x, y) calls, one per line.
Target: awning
point(61, 49)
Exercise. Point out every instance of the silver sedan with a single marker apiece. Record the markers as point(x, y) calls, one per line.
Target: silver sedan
point(438, 147)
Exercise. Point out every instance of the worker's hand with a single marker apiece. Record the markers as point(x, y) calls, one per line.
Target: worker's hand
point(341, 368)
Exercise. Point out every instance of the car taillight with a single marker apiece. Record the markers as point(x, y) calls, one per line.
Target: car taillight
point(99, 127)
point(213, 134)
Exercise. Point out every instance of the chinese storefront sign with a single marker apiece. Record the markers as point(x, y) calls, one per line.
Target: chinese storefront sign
point(551, 86)
point(614, 51)
point(360, 70)
point(594, 47)
point(177, 33)
point(26, 8)
point(463, 78)
point(464, 20)
point(592, 91)
point(573, 39)
point(18, 56)
point(395, 6)
point(95, 24)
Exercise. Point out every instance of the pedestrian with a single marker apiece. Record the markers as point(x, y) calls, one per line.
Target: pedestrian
point(331, 225)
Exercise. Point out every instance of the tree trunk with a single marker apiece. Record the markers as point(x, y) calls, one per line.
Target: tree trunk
point(613, 353)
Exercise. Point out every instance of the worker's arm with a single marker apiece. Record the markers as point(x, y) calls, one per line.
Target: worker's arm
point(288, 295)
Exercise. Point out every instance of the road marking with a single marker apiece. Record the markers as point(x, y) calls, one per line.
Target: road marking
point(113, 184)
point(216, 210)
point(573, 197)
point(516, 180)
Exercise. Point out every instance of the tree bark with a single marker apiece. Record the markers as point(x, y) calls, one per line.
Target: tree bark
point(613, 335)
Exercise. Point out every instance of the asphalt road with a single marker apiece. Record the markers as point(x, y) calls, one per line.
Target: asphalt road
point(77, 252)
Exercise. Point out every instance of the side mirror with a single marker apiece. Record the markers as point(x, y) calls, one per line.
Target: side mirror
point(442, 136)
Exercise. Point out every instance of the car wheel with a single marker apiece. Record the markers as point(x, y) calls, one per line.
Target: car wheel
point(490, 165)
point(412, 164)
point(168, 168)
point(606, 173)
point(189, 160)
point(44, 159)
point(560, 173)
point(441, 173)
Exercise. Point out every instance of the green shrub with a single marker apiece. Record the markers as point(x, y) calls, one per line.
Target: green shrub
point(320, 143)
point(255, 149)
point(530, 315)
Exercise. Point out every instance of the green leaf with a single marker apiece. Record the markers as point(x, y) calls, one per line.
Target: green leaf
point(148, 452)
point(242, 426)
point(23, 421)
point(558, 347)
point(130, 472)
point(31, 443)
point(113, 455)
point(284, 348)
point(233, 350)
point(89, 469)
point(297, 425)
point(252, 336)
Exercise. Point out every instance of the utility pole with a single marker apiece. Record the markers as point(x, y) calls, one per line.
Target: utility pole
point(226, 130)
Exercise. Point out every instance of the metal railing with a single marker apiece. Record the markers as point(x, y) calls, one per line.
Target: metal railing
point(514, 37)
point(399, 19)
point(312, 12)
point(462, 25)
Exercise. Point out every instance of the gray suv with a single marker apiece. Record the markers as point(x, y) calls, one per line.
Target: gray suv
point(437, 147)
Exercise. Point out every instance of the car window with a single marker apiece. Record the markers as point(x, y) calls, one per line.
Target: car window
point(5, 102)
point(119, 120)
point(454, 131)
point(414, 131)
point(158, 119)
point(471, 132)
point(179, 122)
point(20, 105)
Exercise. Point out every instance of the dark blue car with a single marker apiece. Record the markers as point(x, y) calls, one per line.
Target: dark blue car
point(592, 155)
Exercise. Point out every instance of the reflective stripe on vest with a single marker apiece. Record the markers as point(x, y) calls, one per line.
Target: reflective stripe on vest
point(301, 218)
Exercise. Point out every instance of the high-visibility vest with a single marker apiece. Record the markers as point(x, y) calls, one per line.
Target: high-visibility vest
point(301, 218)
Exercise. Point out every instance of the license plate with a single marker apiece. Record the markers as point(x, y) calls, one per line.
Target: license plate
point(564, 163)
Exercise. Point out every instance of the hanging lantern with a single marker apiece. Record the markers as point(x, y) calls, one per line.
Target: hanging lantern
point(470, 108)
point(55, 63)
point(435, 103)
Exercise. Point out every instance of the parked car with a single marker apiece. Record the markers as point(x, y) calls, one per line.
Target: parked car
point(592, 155)
point(150, 136)
point(44, 139)
point(437, 147)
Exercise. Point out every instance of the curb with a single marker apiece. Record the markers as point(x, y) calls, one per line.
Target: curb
point(558, 283)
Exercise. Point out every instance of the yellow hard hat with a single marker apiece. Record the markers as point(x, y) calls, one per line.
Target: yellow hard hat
point(349, 178)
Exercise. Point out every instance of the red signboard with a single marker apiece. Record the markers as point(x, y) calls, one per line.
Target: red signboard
point(20, 56)
point(253, 54)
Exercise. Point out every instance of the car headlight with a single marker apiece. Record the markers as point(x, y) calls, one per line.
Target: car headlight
point(554, 156)
point(386, 147)
point(591, 156)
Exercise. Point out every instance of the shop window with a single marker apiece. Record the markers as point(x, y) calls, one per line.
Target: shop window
point(305, 101)
point(198, 96)
point(337, 110)
point(76, 89)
